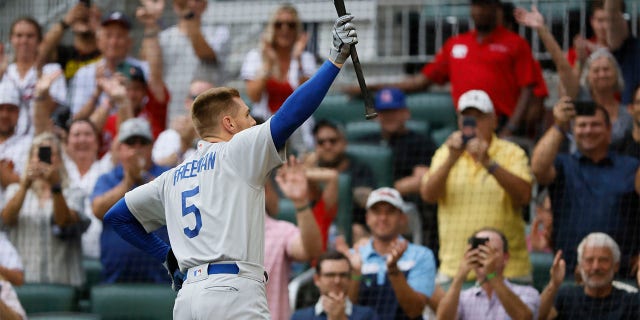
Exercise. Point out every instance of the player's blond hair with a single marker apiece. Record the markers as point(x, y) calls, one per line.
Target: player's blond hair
point(210, 106)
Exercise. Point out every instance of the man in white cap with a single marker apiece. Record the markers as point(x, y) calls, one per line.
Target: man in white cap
point(391, 275)
point(13, 147)
point(478, 180)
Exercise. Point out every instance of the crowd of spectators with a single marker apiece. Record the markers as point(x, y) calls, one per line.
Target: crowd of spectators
point(82, 124)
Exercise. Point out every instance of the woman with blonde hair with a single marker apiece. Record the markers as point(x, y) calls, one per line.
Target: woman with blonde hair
point(278, 67)
point(43, 217)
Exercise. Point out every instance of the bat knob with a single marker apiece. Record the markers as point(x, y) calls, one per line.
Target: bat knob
point(370, 116)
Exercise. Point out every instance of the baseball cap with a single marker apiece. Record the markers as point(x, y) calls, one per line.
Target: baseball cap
point(9, 94)
point(390, 99)
point(386, 194)
point(134, 73)
point(116, 17)
point(135, 127)
point(477, 99)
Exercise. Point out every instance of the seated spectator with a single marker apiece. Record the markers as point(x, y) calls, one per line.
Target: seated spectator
point(592, 189)
point(134, 94)
point(394, 277)
point(597, 298)
point(11, 268)
point(83, 22)
point(178, 142)
point(192, 49)
point(412, 153)
point(495, 297)
point(10, 307)
point(330, 152)
point(25, 37)
point(278, 67)
point(122, 261)
point(332, 278)
point(44, 217)
point(84, 168)
point(601, 80)
point(284, 242)
point(630, 144)
point(477, 180)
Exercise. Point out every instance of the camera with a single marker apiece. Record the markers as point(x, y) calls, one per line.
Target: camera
point(468, 129)
point(475, 242)
point(584, 108)
point(44, 154)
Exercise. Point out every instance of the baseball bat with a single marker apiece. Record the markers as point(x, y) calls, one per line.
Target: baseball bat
point(369, 111)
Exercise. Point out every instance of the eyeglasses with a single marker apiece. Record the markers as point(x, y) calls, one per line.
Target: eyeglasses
point(331, 141)
point(341, 275)
point(132, 141)
point(280, 24)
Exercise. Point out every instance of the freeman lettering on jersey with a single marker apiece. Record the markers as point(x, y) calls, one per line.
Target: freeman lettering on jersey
point(191, 169)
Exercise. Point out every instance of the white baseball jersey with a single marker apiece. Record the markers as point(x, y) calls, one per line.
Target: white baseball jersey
point(213, 202)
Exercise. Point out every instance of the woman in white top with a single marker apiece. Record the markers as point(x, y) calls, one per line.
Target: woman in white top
point(44, 218)
point(272, 72)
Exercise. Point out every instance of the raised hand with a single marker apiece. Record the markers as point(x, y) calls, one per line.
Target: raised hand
point(334, 305)
point(455, 145)
point(292, 180)
point(113, 87)
point(354, 257)
point(79, 12)
point(44, 83)
point(531, 19)
point(563, 112)
point(344, 36)
point(477, 149)
point(398, 247)
point(301, 43)
point(558, 269)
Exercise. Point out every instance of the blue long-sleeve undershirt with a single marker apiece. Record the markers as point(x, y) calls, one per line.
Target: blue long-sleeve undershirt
point(128, 227)
point(301, 104)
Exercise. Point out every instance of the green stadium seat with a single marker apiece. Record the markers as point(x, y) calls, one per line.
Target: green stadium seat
point(541, 263)
point(437, 109)
point(286, 210)
point(439, 136)
point(345, 207)
point(340, 108)
point(64, 316)
point(135, 301)
point(358, 129)
point(92, 271)
point(378, 158)
point(39, 298)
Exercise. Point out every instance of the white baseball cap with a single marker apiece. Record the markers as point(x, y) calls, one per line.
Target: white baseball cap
point(477, 99)
point(386, 194)
point(135, 127)
point(9, 94)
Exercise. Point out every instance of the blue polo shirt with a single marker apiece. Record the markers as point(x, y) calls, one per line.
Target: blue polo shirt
point(594, 197)
point(417, 264)
point(122, 262)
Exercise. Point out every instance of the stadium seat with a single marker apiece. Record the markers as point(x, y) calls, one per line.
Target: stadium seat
point(345, 207)
point(92, 271)
point(540, 262)
point(358, 129)
point(39, 298)
point(437, 109)
point(340, 108)
point(64, 316)
point(137, 301)
point(378, 158)
point(286, 210)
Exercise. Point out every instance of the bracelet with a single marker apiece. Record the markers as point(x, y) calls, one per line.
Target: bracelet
point(63, 24)
point(303, 208)
point(490, 276)
point(56, 189)
point(493, 166)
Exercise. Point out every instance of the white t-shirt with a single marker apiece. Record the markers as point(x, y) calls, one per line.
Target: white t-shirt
point(213, 203)
point(181, 64)
point(167, 144)
point(26, 86)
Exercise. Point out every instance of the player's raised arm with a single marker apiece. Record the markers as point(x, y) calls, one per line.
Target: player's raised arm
point(306, 99)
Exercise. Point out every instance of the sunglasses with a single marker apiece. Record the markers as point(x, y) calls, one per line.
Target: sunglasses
point(331, 141)
point(132, 141)
point(280, 24)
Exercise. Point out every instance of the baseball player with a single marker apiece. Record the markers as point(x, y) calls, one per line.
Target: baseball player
point(213, 202)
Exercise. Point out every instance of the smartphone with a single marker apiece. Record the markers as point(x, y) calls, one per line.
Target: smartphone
point(44, 154)
point(584, 108)
point(475, 242)
point(468, 129)
point(86, 2)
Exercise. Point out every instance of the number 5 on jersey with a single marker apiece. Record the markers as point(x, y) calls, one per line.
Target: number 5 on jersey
point(191, 209)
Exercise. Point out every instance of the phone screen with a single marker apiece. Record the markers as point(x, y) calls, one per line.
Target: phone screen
point(476, 242)
point(584, 108)
point(468, 129)
point(44, 154)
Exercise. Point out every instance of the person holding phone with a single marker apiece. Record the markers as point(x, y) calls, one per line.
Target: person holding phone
point(478, 179)
point(592, 189)
point(44, 218)
point(495, 297)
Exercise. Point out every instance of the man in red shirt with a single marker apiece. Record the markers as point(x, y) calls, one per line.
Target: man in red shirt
point(488, 58)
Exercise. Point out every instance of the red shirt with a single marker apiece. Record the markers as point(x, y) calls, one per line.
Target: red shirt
point(572, 55)
point(154, 111)
point(324, 218)
point(500, 65)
